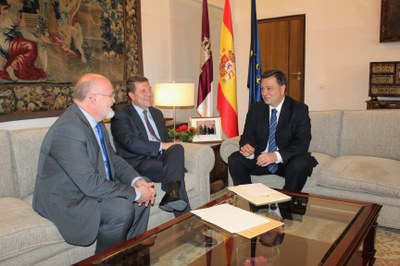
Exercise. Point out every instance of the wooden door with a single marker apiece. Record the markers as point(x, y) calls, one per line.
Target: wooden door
point(282, 46)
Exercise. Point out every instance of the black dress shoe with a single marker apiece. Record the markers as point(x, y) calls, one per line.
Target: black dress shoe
point(172, 202)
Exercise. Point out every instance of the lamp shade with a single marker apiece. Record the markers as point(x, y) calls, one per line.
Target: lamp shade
point(174, 94)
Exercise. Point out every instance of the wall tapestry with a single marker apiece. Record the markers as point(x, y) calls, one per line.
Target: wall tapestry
point(45, 45)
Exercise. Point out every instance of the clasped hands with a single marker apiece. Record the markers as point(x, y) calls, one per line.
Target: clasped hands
point(148, 193)
point(264, 159)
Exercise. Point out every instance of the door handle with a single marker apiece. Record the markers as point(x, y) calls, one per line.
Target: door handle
point(298, 75)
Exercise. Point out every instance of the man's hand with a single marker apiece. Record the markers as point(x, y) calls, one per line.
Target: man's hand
point(166, 145)
point(266, 158)
point(142, 182)
point(247, 150)
point(148, 193)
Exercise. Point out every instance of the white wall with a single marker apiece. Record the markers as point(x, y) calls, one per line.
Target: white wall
point(172, 52)
point(342, 37)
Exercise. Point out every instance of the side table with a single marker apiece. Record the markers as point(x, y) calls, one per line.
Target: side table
point(219, 174)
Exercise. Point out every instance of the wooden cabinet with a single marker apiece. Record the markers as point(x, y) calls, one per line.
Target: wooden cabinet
point(384, 81)
point(377, 104)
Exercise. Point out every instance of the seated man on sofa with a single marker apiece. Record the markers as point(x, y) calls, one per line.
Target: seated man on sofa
point(276, 137)
point(141, 138)
point(82, 186)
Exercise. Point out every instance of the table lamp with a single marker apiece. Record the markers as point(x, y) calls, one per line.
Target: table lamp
point(174, 95)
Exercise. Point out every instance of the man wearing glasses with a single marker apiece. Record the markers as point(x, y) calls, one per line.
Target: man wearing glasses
point(82, 186)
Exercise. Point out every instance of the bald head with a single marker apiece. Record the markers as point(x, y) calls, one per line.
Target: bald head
point(86, 84)
point(94, 93)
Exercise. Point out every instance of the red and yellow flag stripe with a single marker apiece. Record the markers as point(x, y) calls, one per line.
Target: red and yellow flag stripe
point(227, 97)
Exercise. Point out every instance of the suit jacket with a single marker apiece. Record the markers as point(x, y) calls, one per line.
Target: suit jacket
point(71, 178)
point(293, 132)
point(130, 136)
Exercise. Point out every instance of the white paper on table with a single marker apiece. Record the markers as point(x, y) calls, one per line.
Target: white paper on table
point(259, 194)
point(257, 189)
point(231, 218)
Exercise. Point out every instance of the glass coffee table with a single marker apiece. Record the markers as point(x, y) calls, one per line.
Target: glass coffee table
point(317, 230)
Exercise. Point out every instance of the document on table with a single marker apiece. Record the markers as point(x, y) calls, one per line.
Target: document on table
point(259, 194)
point(236, 220)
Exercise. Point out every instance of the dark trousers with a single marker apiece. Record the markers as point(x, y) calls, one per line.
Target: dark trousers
point(120, 220)
point(168, 167)
point(294, 171)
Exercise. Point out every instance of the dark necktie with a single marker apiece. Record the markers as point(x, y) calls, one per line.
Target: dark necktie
point(104, 152)
point(150, 127)
point(271, 140)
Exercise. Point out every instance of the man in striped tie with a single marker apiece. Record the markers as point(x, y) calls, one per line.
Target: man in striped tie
point(276, 137)
point(141, 138)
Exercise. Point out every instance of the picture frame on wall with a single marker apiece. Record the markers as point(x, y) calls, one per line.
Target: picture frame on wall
point(390, 21)
point(209, 129)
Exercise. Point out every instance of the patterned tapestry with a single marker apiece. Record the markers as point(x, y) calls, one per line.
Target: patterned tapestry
point(45, 45)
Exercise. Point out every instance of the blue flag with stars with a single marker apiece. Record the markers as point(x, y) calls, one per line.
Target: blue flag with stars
point(254, 75)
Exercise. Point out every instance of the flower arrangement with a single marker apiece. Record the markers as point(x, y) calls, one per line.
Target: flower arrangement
point(183, 132)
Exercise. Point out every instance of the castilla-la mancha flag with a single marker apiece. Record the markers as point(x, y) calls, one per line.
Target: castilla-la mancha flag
point(204, 95)
point(227, 99)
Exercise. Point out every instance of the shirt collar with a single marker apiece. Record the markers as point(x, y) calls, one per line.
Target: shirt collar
point(278, 108)
point(90, 118)
point(139, 109)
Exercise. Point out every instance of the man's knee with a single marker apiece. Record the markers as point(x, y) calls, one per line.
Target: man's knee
point(126, 209)
point(299, 164)
point(177, 148)
point(118, 209)
point(234, 158)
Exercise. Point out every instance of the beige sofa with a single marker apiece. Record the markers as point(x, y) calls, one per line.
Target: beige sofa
point(26, 238)
point(359, 158)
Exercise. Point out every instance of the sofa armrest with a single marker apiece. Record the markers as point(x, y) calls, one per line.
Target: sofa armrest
point(229, 146)
point(199, 161)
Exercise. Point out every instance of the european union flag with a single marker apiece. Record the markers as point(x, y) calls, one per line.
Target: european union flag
point(254, 75)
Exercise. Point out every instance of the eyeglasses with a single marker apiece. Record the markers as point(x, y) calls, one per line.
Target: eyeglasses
point(112, 95)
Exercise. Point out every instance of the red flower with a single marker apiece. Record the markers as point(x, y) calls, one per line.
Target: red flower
point(191, 129)
point(182, 128)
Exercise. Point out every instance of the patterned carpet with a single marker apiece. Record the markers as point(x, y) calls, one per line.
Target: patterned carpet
point(388, 247)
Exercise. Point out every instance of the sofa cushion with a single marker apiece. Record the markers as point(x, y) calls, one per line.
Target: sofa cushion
point(372, 133)
point(275, 181)
point(22, 230)
point(7, 186)
point(362, 173)
point(25, 149)
point(325, 130)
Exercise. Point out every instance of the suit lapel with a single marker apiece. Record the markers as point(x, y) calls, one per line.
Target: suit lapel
point(284, 115)
point(136, 119)
point(94, 141)
point(158, 123)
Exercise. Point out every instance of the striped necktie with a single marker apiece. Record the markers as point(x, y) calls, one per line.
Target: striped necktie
point(104, 152)
point(271, 140)
point(150, 127)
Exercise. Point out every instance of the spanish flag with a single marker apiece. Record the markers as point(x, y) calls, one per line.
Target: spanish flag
point(227, 99)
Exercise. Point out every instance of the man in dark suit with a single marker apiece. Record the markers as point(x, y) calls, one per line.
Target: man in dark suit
point(88, 191)
point(141, 137)
point(290, 140)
